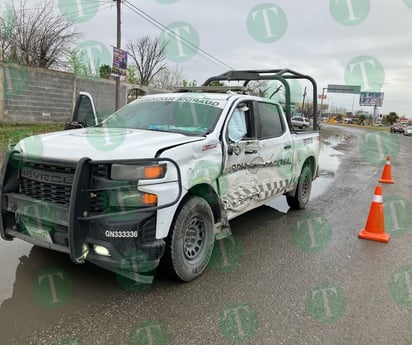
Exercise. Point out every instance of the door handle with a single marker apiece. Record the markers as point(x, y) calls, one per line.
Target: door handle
point(249, 152)
point(287, 147)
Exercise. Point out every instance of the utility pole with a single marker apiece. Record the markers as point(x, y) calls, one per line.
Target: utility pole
point(118, 46)
point(303, 102)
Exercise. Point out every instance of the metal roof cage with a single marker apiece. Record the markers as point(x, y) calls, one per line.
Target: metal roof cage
point(218, 89)
point(281, 75)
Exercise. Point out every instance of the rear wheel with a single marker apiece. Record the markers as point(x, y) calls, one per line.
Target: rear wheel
point(300, 197)
point(190, 242)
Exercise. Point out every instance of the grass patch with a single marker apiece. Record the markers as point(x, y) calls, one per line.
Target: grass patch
point(12, 133)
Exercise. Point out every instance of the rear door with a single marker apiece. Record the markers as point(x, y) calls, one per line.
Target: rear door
point(276, 150)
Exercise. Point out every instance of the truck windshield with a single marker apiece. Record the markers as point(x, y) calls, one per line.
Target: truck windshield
point(185, 114)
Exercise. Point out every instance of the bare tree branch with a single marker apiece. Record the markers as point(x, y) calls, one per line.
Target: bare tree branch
point(35, 37)
point(148, 56)
point(169, 78)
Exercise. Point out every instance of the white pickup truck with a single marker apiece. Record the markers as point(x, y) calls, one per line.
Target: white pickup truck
point(160, 178)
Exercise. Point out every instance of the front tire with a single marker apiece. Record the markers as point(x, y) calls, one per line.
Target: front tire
point(190, 242)
point(299, 199)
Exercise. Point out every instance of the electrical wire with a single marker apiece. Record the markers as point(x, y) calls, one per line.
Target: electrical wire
point(90, 10)
point(86, 10)
point(162, 27)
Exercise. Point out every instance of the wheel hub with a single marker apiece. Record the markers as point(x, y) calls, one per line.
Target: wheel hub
point(194, 238)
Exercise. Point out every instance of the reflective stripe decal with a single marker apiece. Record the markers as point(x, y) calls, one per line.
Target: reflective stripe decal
point(241, 197)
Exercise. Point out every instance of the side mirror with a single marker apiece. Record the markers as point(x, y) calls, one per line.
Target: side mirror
point(73, 125)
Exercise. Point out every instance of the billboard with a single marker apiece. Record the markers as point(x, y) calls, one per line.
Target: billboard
point(371, 99)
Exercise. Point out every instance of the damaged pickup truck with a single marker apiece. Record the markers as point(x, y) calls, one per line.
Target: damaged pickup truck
point(159, 179)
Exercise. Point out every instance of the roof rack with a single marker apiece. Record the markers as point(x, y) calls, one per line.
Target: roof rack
point(281, 75)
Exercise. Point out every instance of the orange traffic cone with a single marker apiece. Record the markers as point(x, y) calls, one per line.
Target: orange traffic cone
point(386, 173)
point(375, 227)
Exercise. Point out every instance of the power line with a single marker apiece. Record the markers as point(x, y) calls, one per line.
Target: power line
point(103, 5)
point(86, 10)
point(162, 27)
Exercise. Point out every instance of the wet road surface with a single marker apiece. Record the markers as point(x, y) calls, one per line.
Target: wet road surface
point(283, 278)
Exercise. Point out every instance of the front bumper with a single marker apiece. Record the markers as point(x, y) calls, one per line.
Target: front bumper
point(63, 206)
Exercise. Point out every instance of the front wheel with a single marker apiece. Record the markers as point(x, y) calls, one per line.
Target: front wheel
point(300, 196)
point(190, 242)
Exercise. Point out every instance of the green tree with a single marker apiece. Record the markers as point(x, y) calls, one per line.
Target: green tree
point(186, 83)
point(392, 117)
point(131, 75)
point(105, 71)
point(79, 63)
point(339, 118)
point(362, 119)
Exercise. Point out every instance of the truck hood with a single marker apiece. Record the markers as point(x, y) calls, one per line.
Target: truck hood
point(101, 143)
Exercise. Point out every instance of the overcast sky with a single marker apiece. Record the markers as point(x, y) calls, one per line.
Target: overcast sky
point(349, 42)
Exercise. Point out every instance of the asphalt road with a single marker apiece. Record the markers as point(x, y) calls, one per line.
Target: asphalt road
point(285, 277)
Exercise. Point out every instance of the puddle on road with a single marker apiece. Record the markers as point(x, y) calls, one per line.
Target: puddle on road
point(39, 285)
point(329, 161)
point(10, 257)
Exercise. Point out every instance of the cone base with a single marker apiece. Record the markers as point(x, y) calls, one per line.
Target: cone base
point(386, 181)
point(366, 235)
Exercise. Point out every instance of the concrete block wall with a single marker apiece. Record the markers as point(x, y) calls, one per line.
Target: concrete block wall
point(29, 95)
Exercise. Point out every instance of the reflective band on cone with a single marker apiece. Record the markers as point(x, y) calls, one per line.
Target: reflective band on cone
point(377, 198)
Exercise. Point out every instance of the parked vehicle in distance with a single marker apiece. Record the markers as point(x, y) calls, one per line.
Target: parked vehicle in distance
point(407, 130)
point(300, 122)
point(397, 128)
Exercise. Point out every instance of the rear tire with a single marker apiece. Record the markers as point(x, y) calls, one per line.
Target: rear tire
point(190, 242)
point(299, 199)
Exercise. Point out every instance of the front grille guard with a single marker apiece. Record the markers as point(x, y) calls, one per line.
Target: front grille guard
point(80, 201)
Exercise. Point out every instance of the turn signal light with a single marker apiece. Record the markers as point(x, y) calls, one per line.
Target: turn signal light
point(154, 171)
point(149, 199)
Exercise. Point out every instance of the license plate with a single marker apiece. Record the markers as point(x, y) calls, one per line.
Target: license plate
point(39, 234)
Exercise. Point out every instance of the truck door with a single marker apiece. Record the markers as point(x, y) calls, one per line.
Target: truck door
point(84, 114)
point(276, 149)
point(258, 157)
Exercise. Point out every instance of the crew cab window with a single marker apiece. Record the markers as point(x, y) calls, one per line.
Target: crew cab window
point(270, 121)
point(239, 126)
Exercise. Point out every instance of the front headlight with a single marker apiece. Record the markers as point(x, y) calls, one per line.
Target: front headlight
point(137, 172)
